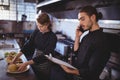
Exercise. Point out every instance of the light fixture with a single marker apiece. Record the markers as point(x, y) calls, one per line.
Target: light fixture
point(47, 2)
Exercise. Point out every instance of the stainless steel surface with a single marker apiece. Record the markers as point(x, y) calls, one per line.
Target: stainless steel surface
point(61, 48)
point(110, 24)
point(10, 43)
point(6, 45)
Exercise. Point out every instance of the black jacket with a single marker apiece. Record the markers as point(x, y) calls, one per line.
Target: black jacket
point(92, 55)
point(45, 42)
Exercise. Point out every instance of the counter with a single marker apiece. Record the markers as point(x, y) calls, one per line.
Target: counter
point(27, 75)
point(9, 44)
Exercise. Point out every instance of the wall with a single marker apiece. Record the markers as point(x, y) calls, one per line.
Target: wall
point(16, 8)
point(6, 26)
point(16, 27)
point(67, 27)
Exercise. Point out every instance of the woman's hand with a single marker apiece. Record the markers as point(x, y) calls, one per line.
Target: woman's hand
point(16, 57)
point(70, 70)
point(23, 66)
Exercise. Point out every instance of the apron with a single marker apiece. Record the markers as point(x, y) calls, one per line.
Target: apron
point(76, 77)
point(41, 69)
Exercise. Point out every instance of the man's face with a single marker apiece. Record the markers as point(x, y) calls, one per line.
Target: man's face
point(85, 21)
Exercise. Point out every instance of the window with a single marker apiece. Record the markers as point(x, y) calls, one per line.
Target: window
point(14, 9)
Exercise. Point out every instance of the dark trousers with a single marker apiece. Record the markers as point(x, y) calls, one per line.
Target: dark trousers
point(42, 71)
point(57, 73)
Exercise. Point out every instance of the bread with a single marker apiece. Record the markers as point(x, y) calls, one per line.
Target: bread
point(12, 67)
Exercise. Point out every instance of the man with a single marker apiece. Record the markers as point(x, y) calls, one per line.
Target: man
point(92, 53)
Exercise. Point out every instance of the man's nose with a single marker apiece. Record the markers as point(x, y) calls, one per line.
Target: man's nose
point(80, 22)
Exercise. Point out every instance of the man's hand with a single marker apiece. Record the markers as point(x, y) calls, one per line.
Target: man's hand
point(78, 32)
point(70, 70)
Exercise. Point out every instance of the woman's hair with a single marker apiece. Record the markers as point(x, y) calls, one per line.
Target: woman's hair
point(90, 10)
point(43, 19)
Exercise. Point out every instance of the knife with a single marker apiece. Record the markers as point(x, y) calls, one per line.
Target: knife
point(1, 59)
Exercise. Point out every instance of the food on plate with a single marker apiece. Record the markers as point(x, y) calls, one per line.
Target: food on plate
point(9, 59)
point(10, 55)
point(19, 60)
point(15, 67)
point(12, 67)
point(6, 54)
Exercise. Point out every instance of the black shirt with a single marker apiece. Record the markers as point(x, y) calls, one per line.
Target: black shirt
point(92, 55)
point(45, 42)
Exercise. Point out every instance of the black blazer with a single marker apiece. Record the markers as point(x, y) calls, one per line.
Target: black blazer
point(92, 55)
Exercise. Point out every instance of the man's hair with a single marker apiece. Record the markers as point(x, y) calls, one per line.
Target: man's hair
point(90, 10)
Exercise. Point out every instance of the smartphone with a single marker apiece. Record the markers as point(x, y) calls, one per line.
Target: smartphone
point(81, 29)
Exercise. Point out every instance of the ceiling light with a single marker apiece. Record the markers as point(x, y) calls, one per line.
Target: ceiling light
point(47, 2)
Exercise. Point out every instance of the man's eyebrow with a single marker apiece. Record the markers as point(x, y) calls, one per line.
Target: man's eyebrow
point(80, 18)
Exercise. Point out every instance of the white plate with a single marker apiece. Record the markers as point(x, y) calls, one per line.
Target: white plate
point(23, 60)
point(58, 61)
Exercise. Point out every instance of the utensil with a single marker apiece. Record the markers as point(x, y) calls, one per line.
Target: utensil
point(1, 59)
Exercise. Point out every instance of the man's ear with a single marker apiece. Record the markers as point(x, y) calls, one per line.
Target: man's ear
point(93, 17)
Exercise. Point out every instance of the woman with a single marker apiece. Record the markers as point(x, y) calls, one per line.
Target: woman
point(42, 42)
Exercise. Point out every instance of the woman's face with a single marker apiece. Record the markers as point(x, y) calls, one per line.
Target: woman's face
point(42, 28)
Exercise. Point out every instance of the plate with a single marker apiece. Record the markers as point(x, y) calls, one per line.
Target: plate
point(58, 61)
point(23, 59)
point(16, 72)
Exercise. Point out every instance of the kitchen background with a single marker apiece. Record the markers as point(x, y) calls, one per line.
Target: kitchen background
point(63, 14)
point(64, 20)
